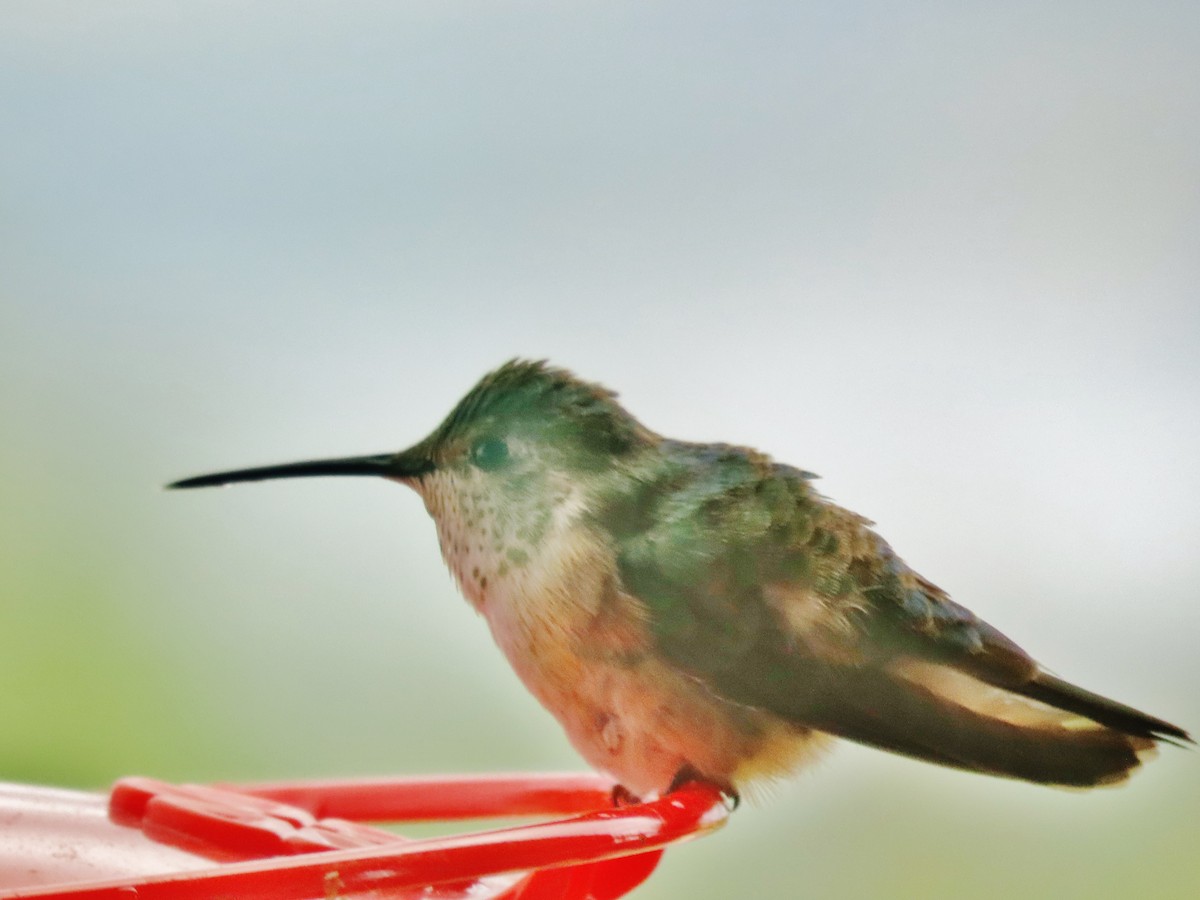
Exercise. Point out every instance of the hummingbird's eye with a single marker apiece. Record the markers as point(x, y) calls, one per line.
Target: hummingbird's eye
point(489, 453)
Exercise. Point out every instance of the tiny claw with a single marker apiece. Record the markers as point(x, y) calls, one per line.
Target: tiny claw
point(688, 775)
point(622, 796)
point(732, 798)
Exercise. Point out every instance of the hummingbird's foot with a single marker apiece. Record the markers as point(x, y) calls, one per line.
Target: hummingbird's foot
point(622, 796)
point(687, 774)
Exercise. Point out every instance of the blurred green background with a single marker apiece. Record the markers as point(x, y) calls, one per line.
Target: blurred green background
point(946, 255)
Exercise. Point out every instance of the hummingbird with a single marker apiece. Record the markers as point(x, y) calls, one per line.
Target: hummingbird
point(698, 611)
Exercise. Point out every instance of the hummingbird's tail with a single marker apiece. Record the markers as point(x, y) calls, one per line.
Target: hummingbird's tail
point(1055, 734)
point(1053, 691)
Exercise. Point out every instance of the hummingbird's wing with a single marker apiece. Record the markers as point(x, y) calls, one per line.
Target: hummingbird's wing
point(779, 600)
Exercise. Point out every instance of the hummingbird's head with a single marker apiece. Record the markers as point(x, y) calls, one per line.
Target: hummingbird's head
point(527, 442)
point(526, 422)
point(528, 449)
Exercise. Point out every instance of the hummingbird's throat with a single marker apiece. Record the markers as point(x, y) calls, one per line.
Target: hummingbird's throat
point(487, 539)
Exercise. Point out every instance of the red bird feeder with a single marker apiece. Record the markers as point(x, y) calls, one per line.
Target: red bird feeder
point(308, 840)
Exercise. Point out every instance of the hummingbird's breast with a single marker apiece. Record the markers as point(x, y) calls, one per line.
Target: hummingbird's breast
point(546, 582)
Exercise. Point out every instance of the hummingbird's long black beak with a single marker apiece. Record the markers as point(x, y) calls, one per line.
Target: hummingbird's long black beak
point(410, 463)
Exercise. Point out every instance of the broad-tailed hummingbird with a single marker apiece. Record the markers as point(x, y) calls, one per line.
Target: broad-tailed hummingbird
point(690, 610)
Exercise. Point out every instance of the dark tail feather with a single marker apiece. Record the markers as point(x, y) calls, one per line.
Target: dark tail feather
point(1060, 694)
point(904, 716)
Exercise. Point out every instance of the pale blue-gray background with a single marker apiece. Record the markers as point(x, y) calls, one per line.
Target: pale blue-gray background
point(946, 255)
